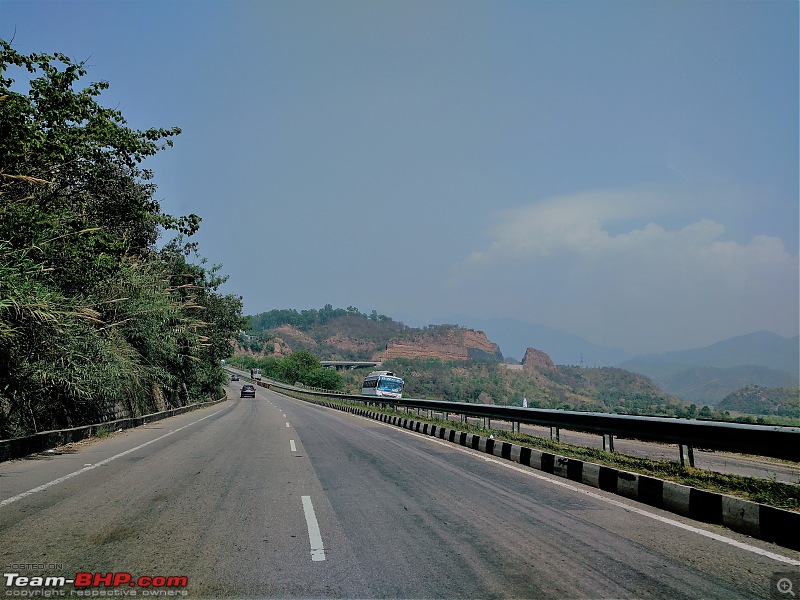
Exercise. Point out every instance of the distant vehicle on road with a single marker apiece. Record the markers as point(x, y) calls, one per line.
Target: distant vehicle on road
point(255, 374)
point(248, 390)
point(234, 377)
point(382, 383)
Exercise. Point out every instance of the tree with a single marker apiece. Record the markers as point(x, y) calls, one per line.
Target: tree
point(71, 182)
point(321, 377)
point(93, 318)
point(209, 323)
point(294, 367)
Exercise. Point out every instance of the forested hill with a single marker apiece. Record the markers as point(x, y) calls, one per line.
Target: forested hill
point(308, 318)
point(450, 362)
point(329, 333)
point(757, 400)
point(348, 334)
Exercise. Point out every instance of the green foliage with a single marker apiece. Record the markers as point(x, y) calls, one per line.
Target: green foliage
point(71, 183)
point(296, 365)
point(299, 367)
point(307, 318)
point(327, 379)
point(758, 400)
point(93, 319)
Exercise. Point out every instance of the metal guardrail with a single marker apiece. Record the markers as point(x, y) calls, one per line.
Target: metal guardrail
point(46, 440)
point(741, 438)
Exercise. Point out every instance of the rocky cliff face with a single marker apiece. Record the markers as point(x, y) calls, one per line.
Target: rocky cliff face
point(275, 347)
point(292, 334)
point(447, 344)
point(536, 360)
point(344, 343)
point(353, 338)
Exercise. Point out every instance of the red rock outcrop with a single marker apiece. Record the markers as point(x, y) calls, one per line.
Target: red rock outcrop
point(536, 360)
point(293, 334)
point(348, 344)
point(444, 344)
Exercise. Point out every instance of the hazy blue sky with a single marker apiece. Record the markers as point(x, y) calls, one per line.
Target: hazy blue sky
point(625, 171)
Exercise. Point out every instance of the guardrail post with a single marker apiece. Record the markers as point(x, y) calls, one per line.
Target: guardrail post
point(608, 442)
point(487, 423)
point(687, 455)
point(515, 426)
point(463, 418)
point(554, 433)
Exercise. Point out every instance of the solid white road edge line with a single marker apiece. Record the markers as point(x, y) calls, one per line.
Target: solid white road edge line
point(532, 473)
point(314, 536)
point(50, 484)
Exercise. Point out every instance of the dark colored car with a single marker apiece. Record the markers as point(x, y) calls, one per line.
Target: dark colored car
point(234, 377)
point(248, 390)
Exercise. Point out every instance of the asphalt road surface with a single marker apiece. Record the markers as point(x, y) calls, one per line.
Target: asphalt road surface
point(275, 497)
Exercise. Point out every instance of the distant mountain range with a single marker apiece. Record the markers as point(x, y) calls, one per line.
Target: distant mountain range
point(707, 375)
point(762, 348)
point(700, 375)
point(710, 385)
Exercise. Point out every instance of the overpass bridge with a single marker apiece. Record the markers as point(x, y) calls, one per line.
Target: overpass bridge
point(349, 364)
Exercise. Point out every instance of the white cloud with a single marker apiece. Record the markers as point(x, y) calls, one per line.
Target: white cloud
point(567, 223)
point(645, 286)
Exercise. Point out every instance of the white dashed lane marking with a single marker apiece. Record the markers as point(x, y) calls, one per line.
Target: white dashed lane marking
point(314, 535)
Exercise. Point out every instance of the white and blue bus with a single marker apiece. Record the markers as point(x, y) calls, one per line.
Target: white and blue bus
point(382, 383)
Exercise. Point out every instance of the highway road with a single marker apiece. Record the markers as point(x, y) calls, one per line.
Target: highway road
point(276, 498)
